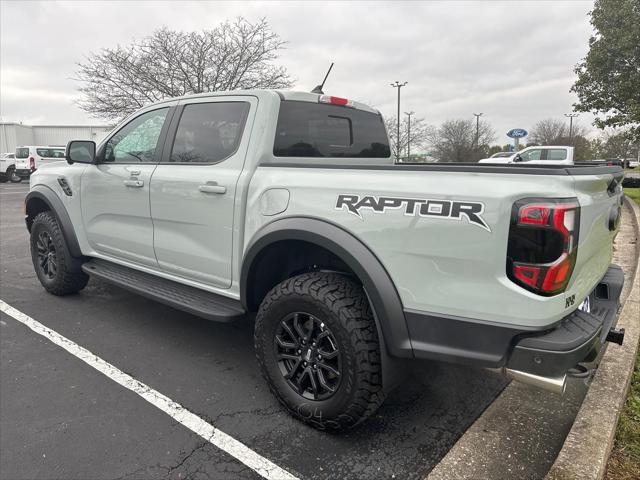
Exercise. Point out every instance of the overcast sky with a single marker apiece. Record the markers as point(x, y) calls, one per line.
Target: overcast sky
point(512, 61)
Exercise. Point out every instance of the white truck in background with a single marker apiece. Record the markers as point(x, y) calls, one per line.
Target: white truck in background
point(7, 168)
point(538, 155)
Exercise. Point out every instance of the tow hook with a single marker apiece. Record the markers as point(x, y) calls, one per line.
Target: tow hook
point(616, 336)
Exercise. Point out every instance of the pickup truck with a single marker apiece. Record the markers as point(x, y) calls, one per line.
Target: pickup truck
point(8, 167)
point(539, 155)
point(287, 208)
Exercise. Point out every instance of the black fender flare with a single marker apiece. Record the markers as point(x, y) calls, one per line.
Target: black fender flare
point(380, 289)
point(48, 196)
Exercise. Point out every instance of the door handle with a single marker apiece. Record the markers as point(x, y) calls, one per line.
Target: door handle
point(133, 183)
point(134, 172)
point(212, 188)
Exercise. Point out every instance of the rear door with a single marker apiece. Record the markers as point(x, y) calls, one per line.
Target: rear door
point(22, 160)
point(193, 189)
point(115, 192)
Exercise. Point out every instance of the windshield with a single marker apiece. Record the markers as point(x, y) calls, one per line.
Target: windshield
point(22, 152)
point(501, 155)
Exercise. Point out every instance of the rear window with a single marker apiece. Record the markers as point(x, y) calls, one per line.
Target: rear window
point(556, 154)
point(22, 152)
point(50, 152)
point(317, 130)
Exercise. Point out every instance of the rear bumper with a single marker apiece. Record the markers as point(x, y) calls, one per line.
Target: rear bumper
point(548, 352)
point(577, 338)
point(23, 172)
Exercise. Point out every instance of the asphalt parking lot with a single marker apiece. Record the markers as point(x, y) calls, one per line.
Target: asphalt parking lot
point(62, 419)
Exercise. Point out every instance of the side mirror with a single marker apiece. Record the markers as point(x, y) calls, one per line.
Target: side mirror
point(81, 151)
point(517, 158)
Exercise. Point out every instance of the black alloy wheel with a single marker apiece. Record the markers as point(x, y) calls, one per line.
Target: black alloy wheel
point(47, 257)
point(308, 356)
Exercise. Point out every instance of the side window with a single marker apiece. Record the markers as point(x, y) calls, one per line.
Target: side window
point(209, 132)
point(50, 152)
point(136, 142)
point(556, 154)
point(531, 155)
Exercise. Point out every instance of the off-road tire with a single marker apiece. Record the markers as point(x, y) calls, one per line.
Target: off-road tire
point(69, 277)
point(342, 305)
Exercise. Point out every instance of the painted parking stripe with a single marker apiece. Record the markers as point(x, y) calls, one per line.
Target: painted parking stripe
point(233, 447)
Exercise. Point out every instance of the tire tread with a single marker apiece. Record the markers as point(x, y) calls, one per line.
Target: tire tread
point(347, 300)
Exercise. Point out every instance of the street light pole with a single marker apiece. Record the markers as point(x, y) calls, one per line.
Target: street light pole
point(571, 115)
point(398, 85)
point(408, 114)
point(478, 115)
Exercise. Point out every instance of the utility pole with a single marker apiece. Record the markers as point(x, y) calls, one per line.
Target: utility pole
point(408, 114)
point(478, 115)
point(570, 116)
point(398, 85)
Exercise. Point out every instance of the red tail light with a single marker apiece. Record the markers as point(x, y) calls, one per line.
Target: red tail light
point(32, 163)
point(543, 244)
point(335, 100)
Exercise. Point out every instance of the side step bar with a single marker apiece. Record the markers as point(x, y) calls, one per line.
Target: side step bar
point(183, 297)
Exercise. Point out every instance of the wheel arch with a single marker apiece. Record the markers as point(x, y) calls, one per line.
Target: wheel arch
point(360, 260)
point(41, 199)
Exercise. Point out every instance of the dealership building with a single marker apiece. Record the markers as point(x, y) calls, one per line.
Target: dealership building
point(14, 135)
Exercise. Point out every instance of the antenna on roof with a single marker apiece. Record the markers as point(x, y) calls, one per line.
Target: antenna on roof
point(318, 89)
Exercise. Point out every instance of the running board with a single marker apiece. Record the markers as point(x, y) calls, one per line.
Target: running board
point(183, 297)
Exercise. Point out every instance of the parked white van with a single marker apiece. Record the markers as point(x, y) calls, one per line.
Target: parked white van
point(30, 158)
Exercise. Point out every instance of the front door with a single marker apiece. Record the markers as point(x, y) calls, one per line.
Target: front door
point(193, 190)
point(115, 191)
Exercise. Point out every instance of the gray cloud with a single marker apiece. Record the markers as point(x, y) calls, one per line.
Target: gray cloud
point(512, 61)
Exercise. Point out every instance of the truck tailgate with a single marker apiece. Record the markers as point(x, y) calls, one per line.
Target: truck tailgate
point(600, 199)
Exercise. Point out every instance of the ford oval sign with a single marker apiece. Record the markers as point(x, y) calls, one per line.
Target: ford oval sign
point(517, 133)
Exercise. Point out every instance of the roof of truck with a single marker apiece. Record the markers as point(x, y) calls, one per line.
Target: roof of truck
point(283, 94)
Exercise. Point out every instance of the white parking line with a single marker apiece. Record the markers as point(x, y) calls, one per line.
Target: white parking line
point(233, 447)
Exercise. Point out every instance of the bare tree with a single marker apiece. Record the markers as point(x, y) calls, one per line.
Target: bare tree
point(168, 63)
point(420, 132)
point(552, 131)
point(455, 140)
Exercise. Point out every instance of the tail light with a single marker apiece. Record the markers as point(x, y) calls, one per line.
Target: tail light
point(32, 164)
point(335, 100)
point(543, 244)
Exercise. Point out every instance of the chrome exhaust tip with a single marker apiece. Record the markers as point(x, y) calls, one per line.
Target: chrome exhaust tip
point(553, 384)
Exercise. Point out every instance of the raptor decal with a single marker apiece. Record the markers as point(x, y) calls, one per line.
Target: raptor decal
point(450, 209)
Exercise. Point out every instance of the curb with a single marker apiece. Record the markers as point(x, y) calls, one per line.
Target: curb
point(588, 445)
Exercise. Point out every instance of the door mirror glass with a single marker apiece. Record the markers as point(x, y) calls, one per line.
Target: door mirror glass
point(517, 158)
point(81, 151)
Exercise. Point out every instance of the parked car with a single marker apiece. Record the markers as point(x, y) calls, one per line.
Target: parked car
point(7, 168)
point(548, 154)
point(30, 158)
point(288, 205)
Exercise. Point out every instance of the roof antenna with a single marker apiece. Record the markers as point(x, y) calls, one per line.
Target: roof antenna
point(318, 89)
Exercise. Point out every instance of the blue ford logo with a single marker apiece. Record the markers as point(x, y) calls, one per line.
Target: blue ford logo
point(517, 133)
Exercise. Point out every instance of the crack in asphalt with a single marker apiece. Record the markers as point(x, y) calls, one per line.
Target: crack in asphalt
point(170, 470)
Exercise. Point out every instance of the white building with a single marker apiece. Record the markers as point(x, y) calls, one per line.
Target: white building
point(14, 135)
